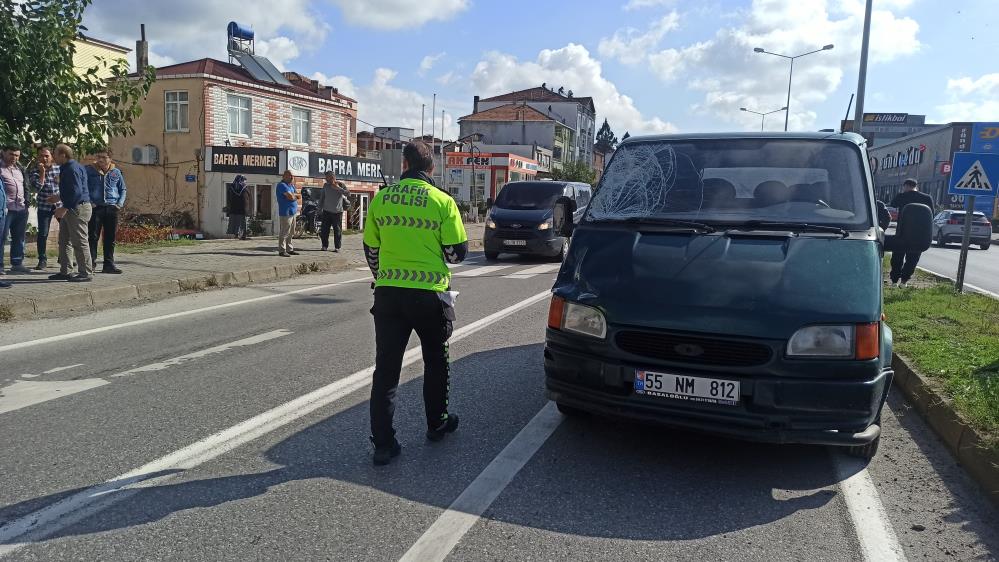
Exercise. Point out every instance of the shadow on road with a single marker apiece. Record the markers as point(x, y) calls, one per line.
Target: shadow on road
point(593, 477)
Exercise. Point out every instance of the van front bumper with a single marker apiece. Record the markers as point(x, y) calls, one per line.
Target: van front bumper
point(536, 243)
point(820, 411)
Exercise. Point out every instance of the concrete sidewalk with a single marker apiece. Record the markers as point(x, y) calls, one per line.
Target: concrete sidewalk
point(161, 272)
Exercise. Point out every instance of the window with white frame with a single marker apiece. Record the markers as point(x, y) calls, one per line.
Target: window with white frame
point(240, 120)
point(176, 114)
point(300, 120)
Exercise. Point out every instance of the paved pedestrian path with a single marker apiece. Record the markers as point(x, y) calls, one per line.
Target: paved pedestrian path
point(171, 270)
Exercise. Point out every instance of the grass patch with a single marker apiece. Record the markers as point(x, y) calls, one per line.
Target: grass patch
point(6, 314)
point(953, 339)
point(314, 267)
point(302, 269)
point(155, 246)
point(212, 281)
point(189, 285)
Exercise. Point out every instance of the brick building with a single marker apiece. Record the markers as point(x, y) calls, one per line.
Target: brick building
point(205, 121)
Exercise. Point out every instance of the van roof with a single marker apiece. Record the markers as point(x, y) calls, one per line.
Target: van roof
point(552, 182)
point(849, 137)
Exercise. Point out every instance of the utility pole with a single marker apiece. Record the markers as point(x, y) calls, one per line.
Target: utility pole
point(423, 119)
point(858, 119)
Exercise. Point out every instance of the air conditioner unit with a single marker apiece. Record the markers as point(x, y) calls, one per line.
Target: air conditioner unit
point(147, 155)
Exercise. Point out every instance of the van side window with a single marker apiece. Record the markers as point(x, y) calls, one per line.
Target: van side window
point(582, 197)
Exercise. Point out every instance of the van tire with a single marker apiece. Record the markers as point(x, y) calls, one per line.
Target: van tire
point(571, 412)
point(985, 246)
point(865, 452)
point(492, 256)
point(564, 252)
point(941, 241)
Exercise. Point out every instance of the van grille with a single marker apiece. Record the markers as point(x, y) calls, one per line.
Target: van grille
point(516, 234)
point(693, 349)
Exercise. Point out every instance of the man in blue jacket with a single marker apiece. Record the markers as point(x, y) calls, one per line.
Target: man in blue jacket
point(107, 194)
point(74, 213)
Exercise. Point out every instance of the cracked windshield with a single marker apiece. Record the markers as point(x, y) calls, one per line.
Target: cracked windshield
point(463, 280)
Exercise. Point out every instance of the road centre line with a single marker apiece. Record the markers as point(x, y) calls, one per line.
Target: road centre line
point(66, 368)
point(878, 541)
point(102, 329)
point(441, 538)
point(34, 527)
point(253, 340)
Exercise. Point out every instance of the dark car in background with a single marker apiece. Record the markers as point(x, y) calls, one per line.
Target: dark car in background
point(520, 220)
point(730, 284)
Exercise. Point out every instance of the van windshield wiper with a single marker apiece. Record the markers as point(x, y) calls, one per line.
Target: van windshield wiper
point(693, 225)
point(793, 226)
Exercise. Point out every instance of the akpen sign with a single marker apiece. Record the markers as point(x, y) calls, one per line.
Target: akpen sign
point(345, 167)
point(242, 160)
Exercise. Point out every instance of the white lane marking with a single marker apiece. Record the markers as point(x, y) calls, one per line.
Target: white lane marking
point(102, 329)
point(535, 271)
point(22, 394)
point(966, 284)
point(477, 271)
point(66, 368)
point(441, 538)
point(878, 541)
point(37, 525)
point(253, 340)
point(27, 376)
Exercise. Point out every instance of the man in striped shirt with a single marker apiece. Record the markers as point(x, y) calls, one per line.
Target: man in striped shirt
point(44, 181)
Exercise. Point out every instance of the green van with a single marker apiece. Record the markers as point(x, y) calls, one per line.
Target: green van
point(730, 283)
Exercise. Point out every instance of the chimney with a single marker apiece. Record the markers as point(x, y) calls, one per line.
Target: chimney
point(475, 104)
point(141, 51)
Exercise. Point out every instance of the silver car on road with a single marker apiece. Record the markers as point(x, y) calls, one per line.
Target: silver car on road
point(948, 226)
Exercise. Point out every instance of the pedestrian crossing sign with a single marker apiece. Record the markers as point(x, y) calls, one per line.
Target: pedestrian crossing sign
point(974, 174)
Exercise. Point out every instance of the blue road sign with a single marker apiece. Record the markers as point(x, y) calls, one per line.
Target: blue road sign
point(974, 174)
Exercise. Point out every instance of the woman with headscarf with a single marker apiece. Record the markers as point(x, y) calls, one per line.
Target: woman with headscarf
point(238, 205)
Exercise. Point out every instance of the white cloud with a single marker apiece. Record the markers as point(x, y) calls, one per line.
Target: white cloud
point(183, 30)
point(971, 99)
point(571, 67)
point(447, 78)
point(279, 50)
point(381, 103)
point(428, 62)
point(639, 4)
point(398, 14)
point(630, 46)
point(731, 75)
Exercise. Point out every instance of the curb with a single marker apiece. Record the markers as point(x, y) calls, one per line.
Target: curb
point(967, 446)
point(88, 300)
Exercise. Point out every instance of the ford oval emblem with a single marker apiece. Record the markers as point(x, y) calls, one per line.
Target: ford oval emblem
point(689, 350)
point(515, 225)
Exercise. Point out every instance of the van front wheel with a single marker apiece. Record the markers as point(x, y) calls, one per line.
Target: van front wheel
point(865, 452)
point(492, 256)
point(564, 252)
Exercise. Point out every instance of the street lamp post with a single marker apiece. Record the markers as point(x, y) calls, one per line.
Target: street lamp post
point(790, 76)
point(763, 116)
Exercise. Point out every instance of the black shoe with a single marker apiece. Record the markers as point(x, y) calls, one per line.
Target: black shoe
point(448, 426)
point(325, 249)
point(111, 269)
point(292, 253)
point(336, 250)
point(5, 285)
point(282, 254)
point(42, 265)
point(384, 455)
point(60, 277)
point(80, 278)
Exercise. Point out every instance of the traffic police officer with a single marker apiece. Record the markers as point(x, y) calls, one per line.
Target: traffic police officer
point(413, 230)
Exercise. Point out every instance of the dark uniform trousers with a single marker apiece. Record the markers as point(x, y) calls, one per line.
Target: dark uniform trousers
point(398, 313)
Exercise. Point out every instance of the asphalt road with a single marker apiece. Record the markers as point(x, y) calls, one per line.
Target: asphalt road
point(983, 265)
point(232, 425)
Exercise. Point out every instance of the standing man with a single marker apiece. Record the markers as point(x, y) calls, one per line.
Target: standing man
point(238, 205)
point(74, 215)
point(45, 184)
point(107, 195)
point(903, 264)
point(3, 220)
point(332, 204)
point(287, 209)
point(16, 220)
point(412, 228)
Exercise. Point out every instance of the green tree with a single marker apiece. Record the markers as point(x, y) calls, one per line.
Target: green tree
point(606, 141)
point(42, 98)
point(576, 170)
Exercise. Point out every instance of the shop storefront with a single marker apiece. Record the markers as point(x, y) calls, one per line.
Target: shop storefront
point(263, 168)
point(480, 176)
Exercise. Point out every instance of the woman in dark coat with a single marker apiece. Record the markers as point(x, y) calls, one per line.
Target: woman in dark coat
point(238, 204)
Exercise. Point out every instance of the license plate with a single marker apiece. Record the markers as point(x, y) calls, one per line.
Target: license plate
point(515, 242)
point(692, 389)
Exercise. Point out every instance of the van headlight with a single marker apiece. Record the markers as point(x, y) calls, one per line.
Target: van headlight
point(547, 225)
point(822, 341)
point(490, 224)
point(584, 320)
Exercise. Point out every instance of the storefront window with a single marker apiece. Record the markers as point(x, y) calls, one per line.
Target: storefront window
point(263, 202)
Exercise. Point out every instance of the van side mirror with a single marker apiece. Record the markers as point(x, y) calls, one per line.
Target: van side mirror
point(884, 217)
point(562, 217)
point(915, 230)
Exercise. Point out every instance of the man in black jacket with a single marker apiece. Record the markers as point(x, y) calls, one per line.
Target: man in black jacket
point(903, 264)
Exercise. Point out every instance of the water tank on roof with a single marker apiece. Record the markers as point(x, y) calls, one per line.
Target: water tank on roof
point(239, 32)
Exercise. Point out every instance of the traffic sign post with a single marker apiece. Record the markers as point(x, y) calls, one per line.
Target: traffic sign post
point(973, 175)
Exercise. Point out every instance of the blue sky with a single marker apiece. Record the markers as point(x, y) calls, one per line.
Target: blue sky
point(651, 65)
